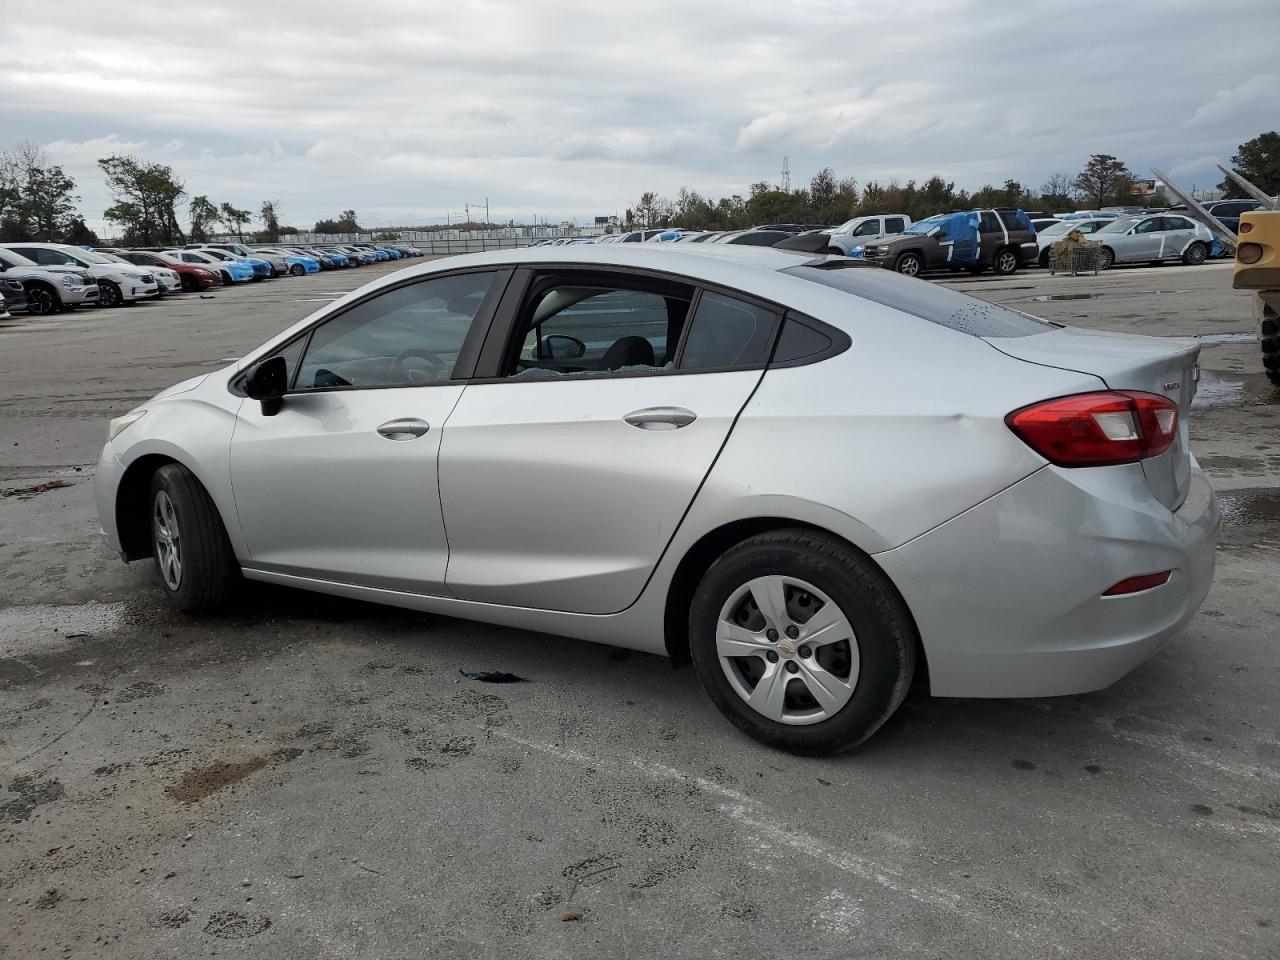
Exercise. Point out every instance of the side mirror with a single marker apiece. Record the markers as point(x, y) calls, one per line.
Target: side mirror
point(267, 383)
point(561, 347)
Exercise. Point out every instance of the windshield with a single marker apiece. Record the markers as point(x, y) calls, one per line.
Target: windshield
point(924, 226)
point(217, 255)
point(11, 259)
point(1117, 226)
point(1053, 229)
point(111, 258)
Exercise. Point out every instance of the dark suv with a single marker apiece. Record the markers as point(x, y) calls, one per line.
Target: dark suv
point(973, 240)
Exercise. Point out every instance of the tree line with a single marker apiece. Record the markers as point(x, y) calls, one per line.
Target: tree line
point(38, 200)
point(1104, 181)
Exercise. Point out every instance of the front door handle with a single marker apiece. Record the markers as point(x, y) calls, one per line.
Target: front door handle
point(661, 418)
point(406, 428)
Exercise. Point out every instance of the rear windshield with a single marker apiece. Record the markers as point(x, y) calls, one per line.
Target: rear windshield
point(928, 301)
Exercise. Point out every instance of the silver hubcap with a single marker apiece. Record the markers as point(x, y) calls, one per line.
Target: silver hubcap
point(788, 650)
point(1006, 263)
point(910, 266)
point(164, 525)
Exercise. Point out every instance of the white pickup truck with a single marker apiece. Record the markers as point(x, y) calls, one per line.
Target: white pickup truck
point(863, 230)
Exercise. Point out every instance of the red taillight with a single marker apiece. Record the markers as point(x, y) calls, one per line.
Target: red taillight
point(1098, 429)
point(1138, 584)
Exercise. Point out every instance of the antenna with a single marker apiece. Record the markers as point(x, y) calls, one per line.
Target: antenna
point(786, 174)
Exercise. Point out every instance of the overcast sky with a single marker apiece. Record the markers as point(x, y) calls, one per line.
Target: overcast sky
point(406, 110)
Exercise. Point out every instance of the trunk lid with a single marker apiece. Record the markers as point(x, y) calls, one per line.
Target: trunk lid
point(1125, 362)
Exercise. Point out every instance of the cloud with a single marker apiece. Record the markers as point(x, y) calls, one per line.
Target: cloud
point(571, 108)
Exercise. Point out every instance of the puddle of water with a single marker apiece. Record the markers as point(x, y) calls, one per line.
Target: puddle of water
point(1051, 297)
point(31, 629)
point(1217, 391)
point(1250, 516)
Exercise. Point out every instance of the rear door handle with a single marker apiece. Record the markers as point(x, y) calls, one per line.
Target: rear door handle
point(406, 428)
point(661, 418)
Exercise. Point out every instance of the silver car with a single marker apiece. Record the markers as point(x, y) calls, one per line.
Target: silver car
point(1153, 239)
point(752, 459)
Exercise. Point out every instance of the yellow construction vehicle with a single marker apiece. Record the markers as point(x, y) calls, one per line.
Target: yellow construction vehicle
point(1258, 269)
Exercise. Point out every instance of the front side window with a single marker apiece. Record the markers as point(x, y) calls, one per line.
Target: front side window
point(868, 229)
point(410, 336)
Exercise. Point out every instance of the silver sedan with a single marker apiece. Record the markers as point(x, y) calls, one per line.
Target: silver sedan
point(810, 478)
point(1153, 239)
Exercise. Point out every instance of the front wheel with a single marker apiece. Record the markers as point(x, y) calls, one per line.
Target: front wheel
point(189, 284)
point(1195, 254)
point(109, 294)
point(193, 557)
point(1006, 262)
point(801, 642)
point(910, 263)
point(296, 270)
point(42, 300)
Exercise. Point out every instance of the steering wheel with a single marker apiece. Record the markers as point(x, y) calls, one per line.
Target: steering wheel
point(439, 369)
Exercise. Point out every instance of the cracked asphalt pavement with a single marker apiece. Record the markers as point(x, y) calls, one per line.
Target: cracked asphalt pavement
point(314, 777)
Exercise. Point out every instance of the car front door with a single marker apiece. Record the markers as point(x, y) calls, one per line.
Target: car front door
point(1144, 241)
point(340, 483)
point(564, 476)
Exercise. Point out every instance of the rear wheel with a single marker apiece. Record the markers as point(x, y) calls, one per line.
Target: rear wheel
point(1006, 262)
point(1106, 258)
point(192, 554)
point(1195, 254)
point(801, 642)
point(1269, 336)
point(910, 263)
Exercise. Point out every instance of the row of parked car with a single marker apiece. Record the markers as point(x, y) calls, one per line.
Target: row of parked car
point(999, 239)
point(46, 278)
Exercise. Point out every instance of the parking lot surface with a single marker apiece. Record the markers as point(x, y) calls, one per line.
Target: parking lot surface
point(313, 777)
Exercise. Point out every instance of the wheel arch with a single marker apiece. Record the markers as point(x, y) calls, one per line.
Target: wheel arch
point(132, 509)
point(36, 283)
point(699, 557)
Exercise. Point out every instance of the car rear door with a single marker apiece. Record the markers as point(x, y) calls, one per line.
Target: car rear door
point(1178, 232)
point(564, 474)
point(340, 483)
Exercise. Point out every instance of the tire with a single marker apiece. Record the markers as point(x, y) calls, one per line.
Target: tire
point(835, 252)
point(1044, 258)
point(1195, 254)
point(1106, 258)
point(227, 280)
point(296, 270)
point(185, 525)
point(1006, 262)
point(1269, 338)
point(868, 672)
point(42, 300)
point(910, 264)
point(109, 294)
point(189, 284)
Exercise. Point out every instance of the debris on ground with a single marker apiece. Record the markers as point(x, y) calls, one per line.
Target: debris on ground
point(26, 493)
point(571, 917)
point(493, 676)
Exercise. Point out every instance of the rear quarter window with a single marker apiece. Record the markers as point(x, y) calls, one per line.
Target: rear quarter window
point(928, 301)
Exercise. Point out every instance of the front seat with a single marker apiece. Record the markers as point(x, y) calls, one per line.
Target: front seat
point(628, 352)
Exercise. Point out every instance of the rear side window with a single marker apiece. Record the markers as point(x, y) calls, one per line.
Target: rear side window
point(928, 301)
point(726, 333)
point(798, 342)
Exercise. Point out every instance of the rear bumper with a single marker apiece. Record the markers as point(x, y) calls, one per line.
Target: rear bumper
point(1008, 596)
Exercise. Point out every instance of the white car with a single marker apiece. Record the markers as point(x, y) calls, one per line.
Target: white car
point(49, 289)
point(1054, 232)
point(860, 231)
point(167, 280)
point(118, 283)
point(760, 460)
